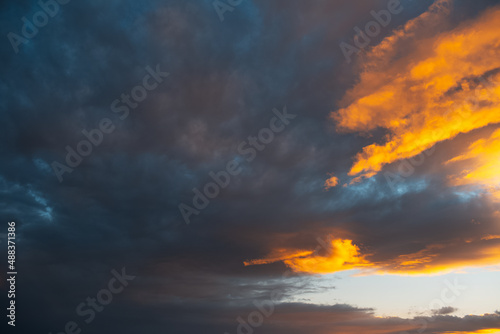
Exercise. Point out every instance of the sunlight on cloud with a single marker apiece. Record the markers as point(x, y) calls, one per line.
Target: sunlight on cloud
point(444, 258)
point(433, 93)
point(483, 165)
point(332, 182)
point(343, 254)
point(481, 331)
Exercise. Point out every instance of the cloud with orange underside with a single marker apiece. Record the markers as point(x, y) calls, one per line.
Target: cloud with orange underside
point(344, 254)
point(481, 331)
point(443, 258)
point(425, 96)
point(332, 182)
point(482, 165)
point(341, 255)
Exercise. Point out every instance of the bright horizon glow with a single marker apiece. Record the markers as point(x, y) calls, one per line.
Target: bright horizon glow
point(409, 296)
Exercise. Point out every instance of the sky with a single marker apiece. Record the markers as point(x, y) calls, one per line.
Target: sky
point(251, 166)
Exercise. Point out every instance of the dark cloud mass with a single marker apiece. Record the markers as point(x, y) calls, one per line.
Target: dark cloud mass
point(119, 207)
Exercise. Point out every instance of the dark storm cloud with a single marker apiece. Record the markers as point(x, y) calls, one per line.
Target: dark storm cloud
point(119, 207)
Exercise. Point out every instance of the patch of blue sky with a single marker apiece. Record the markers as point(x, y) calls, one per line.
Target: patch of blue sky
point(370, 189)
point(407, 296)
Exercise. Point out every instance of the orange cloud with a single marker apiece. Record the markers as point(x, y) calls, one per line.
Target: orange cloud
point(343, 254)
point(333, 181)
point(483, 165)
point(444, 258)
point(491, 237)
point(481, 331)
point(427, 95)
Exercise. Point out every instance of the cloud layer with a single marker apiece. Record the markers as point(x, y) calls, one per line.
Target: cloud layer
point(119, 208)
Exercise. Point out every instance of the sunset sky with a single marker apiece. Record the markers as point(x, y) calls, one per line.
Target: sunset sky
point(254, 166)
